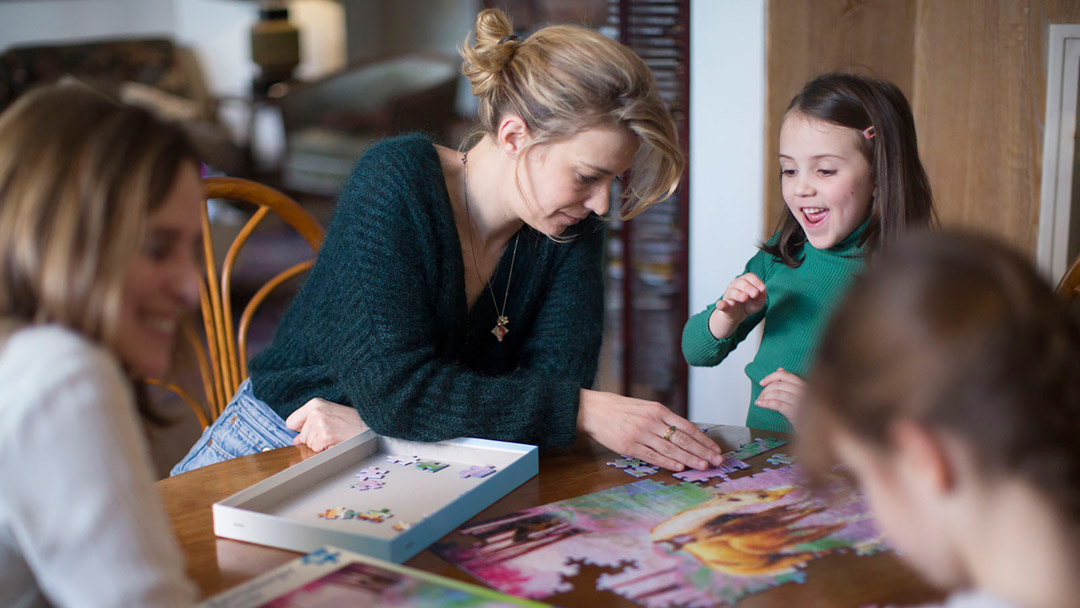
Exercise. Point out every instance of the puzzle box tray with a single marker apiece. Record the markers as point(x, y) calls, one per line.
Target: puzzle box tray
point(400, 511)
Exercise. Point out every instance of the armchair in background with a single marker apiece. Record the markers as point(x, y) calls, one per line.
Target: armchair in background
point(329, 123)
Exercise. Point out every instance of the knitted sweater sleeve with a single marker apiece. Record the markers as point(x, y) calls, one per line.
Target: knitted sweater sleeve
point(700, 347)
point(379, 305)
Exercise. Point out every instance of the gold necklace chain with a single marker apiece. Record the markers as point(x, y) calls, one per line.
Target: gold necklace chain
point(501, 321)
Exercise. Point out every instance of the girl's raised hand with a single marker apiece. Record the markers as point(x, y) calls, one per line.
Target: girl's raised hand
point(636, 428)
point(783, 393)
point(743, 297)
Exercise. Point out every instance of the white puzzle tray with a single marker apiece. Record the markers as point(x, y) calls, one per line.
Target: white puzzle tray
point(384, 497)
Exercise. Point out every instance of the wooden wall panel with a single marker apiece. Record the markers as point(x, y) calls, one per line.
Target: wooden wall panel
point(980, 98)
point(807, 38)
point(975, 72)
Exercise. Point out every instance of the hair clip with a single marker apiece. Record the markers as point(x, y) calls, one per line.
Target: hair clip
point(869, 132)
point(510, 37)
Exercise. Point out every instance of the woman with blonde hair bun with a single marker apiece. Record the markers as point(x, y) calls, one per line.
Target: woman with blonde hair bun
point(461, 293)
point(99, 233)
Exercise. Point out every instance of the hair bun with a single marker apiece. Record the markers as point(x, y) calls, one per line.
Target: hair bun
point(494, 45)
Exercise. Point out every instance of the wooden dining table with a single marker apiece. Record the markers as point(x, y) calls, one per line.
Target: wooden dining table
point(217, 564)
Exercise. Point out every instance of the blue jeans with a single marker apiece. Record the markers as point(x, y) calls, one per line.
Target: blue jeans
point(246, 426)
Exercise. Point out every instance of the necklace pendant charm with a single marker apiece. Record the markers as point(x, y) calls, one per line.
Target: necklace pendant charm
point(500, 330)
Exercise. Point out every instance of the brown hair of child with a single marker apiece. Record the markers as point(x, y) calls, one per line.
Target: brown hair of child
point(958, 333)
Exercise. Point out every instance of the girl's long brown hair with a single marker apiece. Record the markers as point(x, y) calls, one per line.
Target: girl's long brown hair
point(902, 198)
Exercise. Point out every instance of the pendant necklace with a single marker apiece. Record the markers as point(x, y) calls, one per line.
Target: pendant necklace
point(501, 320)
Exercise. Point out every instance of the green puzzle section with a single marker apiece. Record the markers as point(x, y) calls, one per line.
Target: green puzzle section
point(756, 447)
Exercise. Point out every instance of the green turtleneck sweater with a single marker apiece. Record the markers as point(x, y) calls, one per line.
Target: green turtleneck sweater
point(798, 304)
point(382, 323)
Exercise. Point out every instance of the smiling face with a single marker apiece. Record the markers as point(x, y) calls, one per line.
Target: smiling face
point(825, 178)
point(568, 179)
point(162, 284)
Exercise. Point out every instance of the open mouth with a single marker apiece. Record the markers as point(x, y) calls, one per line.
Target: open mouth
point(164, 326)
point(814, 216)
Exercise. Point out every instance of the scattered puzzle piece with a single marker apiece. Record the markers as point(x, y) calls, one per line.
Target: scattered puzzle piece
point(755, 447)
point(320, 557)
point(478, 471)
point(376, 516)
point(727, 467)
point(349, 514)
point(402, 526)
point(695, 476)
point(431, 466)
point(330, 514)
point(778, 459)
point(624, 461)
point(371, 473)
point(640, 471)
point(402, 460)
point(370, 484)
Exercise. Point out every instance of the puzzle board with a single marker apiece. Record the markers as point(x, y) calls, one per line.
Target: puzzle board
point(335, 577)
point(670, 544)
point(363, 495)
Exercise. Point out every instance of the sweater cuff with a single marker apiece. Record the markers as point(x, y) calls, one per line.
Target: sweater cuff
point(560, 428)
point(700, 347)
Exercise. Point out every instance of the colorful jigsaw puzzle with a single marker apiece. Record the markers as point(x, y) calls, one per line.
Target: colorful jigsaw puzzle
point(336, 577)
point(670, 545)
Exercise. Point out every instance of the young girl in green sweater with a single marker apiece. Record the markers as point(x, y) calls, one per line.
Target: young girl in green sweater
point(852, 181)
point(948, 383)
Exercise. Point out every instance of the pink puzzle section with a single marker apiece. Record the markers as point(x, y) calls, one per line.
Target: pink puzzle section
point(669, 546)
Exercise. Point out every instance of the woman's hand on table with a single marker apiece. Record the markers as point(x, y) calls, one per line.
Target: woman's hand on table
point(323, 424)
point(783, 393)
point(637, 428)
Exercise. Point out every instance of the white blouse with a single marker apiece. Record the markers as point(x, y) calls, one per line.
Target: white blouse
point(81, 523)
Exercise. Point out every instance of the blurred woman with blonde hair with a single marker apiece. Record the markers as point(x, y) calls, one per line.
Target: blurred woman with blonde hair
point(98, 263)
point(461, 293)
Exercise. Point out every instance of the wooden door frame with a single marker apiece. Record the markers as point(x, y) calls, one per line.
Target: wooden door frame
point(1059, 145)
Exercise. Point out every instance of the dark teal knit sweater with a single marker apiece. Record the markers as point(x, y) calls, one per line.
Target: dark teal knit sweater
point(382, 323)
point(799, 302)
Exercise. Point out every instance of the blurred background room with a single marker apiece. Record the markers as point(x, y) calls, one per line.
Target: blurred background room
point(290, 93)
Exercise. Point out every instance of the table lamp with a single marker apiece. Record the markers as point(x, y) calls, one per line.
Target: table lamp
point(275, 45)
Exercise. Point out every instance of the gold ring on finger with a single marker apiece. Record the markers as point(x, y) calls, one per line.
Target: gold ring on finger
point(670, 431)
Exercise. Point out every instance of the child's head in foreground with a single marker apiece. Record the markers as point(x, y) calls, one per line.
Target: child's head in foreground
point(948, 382)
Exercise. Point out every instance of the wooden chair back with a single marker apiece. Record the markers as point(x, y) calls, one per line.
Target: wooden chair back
point(222, 360)
point(1069, 286)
